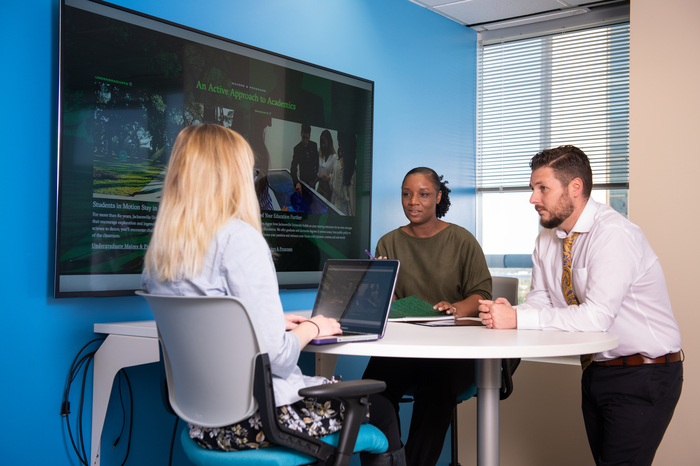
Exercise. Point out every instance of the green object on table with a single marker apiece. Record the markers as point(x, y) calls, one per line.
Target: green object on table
point(414, 307)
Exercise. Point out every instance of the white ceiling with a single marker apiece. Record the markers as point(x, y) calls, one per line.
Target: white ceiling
point(477, 14)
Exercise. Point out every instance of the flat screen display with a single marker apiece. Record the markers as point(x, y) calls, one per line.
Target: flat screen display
point(130, 82)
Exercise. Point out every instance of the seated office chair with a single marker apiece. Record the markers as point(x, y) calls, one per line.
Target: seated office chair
point(218, 373)
point(506, 287)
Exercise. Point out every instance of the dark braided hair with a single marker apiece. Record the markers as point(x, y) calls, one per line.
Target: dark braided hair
point(439, 185)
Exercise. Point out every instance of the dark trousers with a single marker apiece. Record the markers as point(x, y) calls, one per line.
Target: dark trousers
point(383, 417)
point(626, 410)
point(437, 383)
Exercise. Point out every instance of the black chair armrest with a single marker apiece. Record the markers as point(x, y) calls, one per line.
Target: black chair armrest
point(276, 432)
point(341, 390)
point(355, 397)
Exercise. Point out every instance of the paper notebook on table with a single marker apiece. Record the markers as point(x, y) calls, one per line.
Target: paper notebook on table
point(357, 293)
point(414, 309)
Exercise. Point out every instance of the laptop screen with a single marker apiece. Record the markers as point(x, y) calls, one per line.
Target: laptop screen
point(357, 293)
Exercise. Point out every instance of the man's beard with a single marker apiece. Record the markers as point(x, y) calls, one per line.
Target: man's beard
point(563, 210)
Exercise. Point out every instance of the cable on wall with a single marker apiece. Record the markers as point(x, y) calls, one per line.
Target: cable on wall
point(82, 362)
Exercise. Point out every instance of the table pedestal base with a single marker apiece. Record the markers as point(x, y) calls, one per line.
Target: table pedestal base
point(488, 388)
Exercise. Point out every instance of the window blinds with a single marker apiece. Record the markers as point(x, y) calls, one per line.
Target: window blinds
point(543, 92)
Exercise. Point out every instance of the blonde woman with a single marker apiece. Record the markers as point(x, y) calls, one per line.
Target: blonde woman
point(207, 241)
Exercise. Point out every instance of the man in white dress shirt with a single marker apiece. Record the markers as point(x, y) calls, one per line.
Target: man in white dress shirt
point(609, 279)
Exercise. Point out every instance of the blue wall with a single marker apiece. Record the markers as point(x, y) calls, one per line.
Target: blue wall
point(424, 69)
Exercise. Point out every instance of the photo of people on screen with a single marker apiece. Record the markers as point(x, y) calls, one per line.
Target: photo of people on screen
point(305, 160)
point(307, 168)
point(326, 161)
point(298, 167)
point(343, 177)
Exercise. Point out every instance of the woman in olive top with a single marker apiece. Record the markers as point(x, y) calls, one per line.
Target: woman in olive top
point(442, 264)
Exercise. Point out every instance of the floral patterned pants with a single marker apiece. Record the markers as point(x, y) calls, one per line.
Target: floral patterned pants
point(314, 416)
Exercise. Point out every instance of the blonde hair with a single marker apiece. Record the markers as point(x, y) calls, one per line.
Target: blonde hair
point(208, 182)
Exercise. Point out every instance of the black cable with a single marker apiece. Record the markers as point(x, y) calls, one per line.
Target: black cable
point(121, 402)
point(75, 448)
point(131, 416)
point(82, 362)
point(78, 444)
point(172, 441)
point(80, 407)
point(78, 355)
point(74, 369)
point(79, 362)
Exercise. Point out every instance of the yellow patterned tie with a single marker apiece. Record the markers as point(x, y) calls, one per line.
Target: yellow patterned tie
point(568, 289)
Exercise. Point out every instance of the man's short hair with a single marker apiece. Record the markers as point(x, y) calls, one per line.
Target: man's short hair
point(568, 162)
point(306, 128)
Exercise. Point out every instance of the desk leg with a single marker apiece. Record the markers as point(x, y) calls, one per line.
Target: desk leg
point(116, 353)
point(488, 384)
point(325, 364)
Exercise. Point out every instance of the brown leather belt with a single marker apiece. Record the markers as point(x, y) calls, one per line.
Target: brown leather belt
point(638, 359)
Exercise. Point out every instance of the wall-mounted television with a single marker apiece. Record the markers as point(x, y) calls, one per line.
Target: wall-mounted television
point(130, 82)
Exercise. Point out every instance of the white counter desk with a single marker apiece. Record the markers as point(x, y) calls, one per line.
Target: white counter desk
point(134, 343)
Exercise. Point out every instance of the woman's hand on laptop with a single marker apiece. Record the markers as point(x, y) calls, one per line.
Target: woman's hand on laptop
point(326, 325)
point(331, 326)
point(308, 329)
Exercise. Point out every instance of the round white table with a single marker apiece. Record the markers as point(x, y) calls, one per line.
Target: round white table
point(488, 347)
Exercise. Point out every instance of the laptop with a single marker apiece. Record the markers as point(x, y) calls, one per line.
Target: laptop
point(358, 294)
